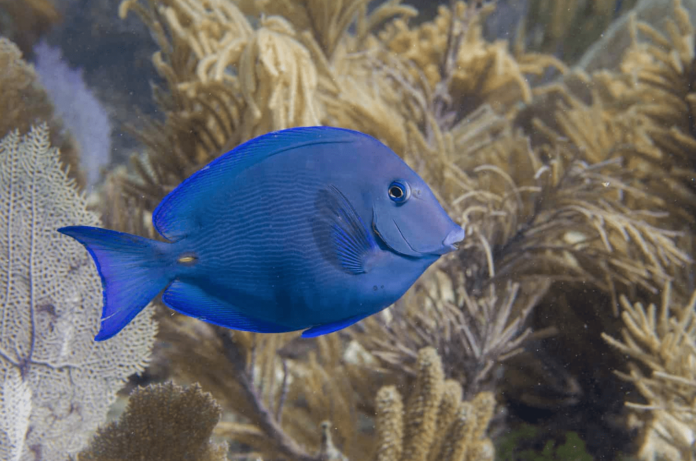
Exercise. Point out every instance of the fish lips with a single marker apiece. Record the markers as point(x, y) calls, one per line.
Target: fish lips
point(453, 239)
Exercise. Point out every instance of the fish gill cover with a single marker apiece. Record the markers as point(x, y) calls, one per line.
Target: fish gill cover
point(577, 196)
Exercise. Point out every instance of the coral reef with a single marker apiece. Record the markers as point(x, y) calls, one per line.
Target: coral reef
point(278, 401)
point(603, 53)
point(161, 422)
point(576, 190)
point(57, 382)
point(557, 192)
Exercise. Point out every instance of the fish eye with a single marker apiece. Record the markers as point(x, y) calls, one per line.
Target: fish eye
point(399, 191)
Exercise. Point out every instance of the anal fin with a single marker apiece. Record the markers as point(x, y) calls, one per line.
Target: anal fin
point(191, 300)
point(327, 328)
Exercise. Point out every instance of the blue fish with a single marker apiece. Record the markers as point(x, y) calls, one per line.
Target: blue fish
point(311, 228)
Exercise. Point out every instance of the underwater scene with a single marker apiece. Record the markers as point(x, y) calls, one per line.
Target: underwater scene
point(347, 230)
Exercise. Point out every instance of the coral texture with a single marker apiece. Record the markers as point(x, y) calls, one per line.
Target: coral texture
point(572, 193)
point(575, 185)
point(161, 422)
point(25, 102)
point(663, 340)
point(436, 424)
point(24, 22)
point(50, 302)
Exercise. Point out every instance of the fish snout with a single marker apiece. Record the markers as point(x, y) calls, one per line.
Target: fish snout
point(453, 239)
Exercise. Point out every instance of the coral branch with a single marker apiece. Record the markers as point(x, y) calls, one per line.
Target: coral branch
point(264, 417)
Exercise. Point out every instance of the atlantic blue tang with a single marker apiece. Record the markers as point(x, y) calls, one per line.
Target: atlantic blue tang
point(311, 228)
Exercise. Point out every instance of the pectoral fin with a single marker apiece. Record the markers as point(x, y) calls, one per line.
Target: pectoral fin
point(342, 236)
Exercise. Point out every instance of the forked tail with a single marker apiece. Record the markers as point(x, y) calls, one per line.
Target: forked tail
point(133, 271)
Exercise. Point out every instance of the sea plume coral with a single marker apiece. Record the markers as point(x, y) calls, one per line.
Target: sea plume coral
point(53, 373)
point(228, 81)
point(662, 343)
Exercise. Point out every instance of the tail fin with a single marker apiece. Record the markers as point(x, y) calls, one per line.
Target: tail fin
point(132, 270)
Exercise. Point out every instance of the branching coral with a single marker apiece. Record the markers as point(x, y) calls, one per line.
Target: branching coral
point(436, 424)
point(162, 421)
point(24, 103)
point(473, 333)
point(662, 342)
point(285, 408)
point(228, 81)
point(642, 114)
point(661, 84)
point(57, 382)
point(560, 219)
point(228, 367)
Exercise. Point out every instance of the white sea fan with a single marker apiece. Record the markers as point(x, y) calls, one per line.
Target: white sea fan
point(15, 409)
point(50, 306)
point(81, 112)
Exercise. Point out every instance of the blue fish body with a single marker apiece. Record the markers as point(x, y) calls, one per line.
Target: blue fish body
point(311, 228)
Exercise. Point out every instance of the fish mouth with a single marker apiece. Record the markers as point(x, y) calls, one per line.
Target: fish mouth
point(454, 239)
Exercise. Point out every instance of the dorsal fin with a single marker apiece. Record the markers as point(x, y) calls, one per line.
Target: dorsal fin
point(171, 217)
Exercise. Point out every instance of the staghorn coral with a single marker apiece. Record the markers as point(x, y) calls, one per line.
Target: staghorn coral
point(53, 372)
point(161, 422)
point(436, 424)
point(662, 343)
